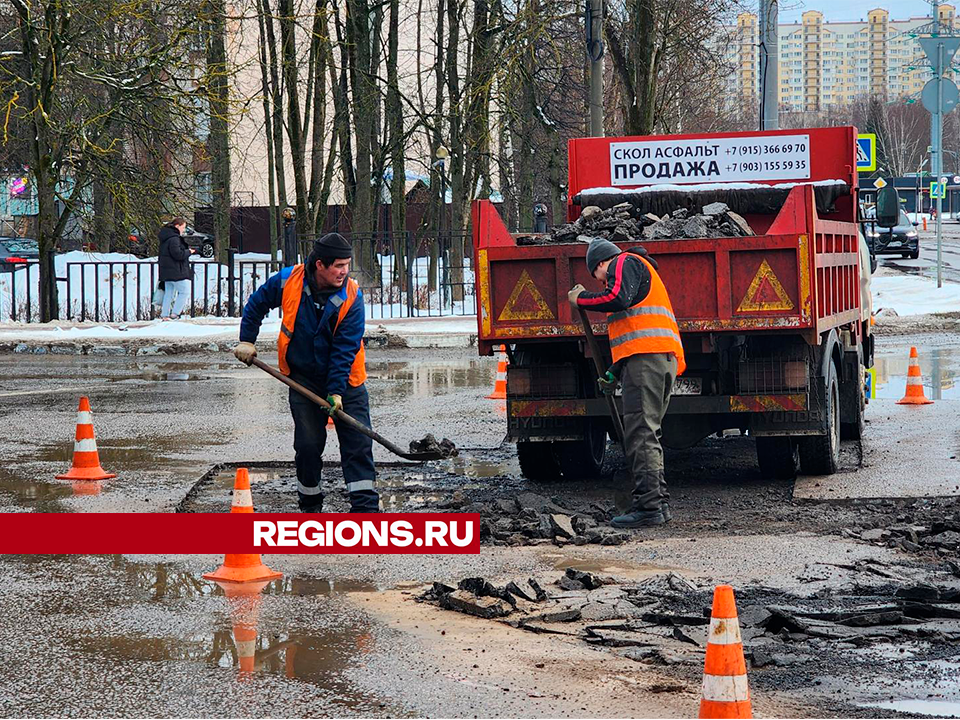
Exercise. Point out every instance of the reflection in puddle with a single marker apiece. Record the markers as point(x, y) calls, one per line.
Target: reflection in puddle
point(474, 467)
point(248, 629)
point(426, 379)
point(940, 368)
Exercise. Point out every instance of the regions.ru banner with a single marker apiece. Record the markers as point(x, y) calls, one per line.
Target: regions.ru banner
point(202, 534)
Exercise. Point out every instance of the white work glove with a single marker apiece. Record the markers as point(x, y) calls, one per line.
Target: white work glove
point(575, 293)
point(245, 352)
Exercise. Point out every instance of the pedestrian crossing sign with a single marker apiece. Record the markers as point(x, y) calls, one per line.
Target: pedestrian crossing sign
point(866, 152)
point(938, 190)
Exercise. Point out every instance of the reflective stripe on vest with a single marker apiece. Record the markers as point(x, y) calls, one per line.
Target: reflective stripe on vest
point(650, 326)
point(290, 304)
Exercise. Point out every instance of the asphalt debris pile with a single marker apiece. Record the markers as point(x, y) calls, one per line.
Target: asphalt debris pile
point(429, 444)
point(664, 620)
point(931, 532)
point(532, 519)
point(625, 223)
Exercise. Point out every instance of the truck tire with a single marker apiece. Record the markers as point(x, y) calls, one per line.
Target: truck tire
point(853, 425)
point(582, 459)
point(537, 461)
point(778, 457)
point(820, 454)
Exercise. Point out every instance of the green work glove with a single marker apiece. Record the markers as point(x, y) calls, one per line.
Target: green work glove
point(608, 383)
point(336, 403)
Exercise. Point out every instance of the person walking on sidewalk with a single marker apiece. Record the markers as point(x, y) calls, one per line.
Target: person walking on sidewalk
point(321, 347)
point(174, 268)
point(647, 357)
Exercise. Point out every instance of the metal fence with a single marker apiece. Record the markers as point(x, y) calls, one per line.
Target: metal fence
point(400, 274)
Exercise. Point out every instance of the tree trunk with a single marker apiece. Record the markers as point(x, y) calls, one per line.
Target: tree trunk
point(218, 88)
point(398, 209)
point(268, 132)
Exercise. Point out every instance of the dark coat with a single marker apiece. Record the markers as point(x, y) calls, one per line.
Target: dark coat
point(173, 256)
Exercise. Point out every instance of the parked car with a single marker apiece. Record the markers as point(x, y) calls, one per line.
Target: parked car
point(15, 250)
point(201, 241)
point(899, 240)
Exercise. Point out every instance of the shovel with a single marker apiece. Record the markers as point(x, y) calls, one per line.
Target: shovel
point(598, 364)
point(343, 417)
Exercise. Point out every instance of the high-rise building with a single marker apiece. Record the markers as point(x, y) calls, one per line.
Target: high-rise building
point(824, 64)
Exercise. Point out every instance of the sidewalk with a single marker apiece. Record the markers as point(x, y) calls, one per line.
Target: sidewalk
point(213, 334)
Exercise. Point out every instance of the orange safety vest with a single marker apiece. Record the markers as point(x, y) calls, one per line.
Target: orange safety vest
point(648, 327)
point(292, 292)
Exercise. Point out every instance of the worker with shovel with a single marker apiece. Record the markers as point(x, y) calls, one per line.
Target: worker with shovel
point(647, 357)
point(320, 347)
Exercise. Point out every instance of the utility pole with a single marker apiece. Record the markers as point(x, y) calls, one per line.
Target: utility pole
point(769, 66)
point(593, 26)
point(939, 96)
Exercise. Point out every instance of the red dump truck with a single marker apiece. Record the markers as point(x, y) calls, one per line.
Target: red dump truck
point(775, 326)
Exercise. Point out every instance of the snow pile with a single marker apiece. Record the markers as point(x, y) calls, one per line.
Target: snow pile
point(913, 295)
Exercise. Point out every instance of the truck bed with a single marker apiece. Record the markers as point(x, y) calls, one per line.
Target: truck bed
point(800, 275)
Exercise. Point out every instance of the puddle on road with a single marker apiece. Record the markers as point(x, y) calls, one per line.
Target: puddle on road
point(249, 634)
point(428, 378)
point(42, 496)
point(934, 708)
point(940, 368)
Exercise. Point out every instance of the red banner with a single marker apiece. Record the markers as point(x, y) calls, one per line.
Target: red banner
point(216, 533)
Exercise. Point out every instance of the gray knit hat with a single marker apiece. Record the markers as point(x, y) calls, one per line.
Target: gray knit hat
point(599, 251)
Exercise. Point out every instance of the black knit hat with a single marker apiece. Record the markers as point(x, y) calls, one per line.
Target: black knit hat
point(598, 251)
point(332, 245)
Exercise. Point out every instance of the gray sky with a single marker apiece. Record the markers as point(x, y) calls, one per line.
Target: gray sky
point(791, 10)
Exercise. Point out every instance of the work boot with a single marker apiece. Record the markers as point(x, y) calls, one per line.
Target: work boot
point(639, 519)
point(665, 511)
point(315, 508)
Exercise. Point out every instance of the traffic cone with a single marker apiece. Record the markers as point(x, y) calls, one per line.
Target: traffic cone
point(242, 567)
point(86, 459)
point(725, 693)
point(500, 384)
point(914, 393)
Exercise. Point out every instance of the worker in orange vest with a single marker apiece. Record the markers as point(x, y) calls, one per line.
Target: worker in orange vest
point(321, 347)
point(647, 358)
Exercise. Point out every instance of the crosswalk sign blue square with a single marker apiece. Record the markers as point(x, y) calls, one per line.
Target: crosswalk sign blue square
point(866, 152)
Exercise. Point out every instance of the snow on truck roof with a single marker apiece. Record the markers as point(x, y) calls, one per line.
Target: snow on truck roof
point(703, 187)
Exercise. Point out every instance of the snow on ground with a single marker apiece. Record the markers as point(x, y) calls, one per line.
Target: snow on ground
point(912, 295)
point(210, 328)
point(119, 287)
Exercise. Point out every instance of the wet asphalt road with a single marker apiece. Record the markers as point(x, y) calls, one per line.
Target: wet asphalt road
point(139, 636)
point(926, 264)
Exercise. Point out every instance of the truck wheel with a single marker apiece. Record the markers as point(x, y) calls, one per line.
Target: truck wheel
point(537, 462)
point(820, 454)
point(851, 428)
point(581, 459)
point(778, 457)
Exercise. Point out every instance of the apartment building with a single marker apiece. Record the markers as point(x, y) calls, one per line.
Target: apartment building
point(824, 64)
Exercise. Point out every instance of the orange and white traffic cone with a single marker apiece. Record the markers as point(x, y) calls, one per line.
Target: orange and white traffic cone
point(725, 693)
point(86, 487)
point(500, 384)
point(86, 459)
point(242, 567)
point(914, 393)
